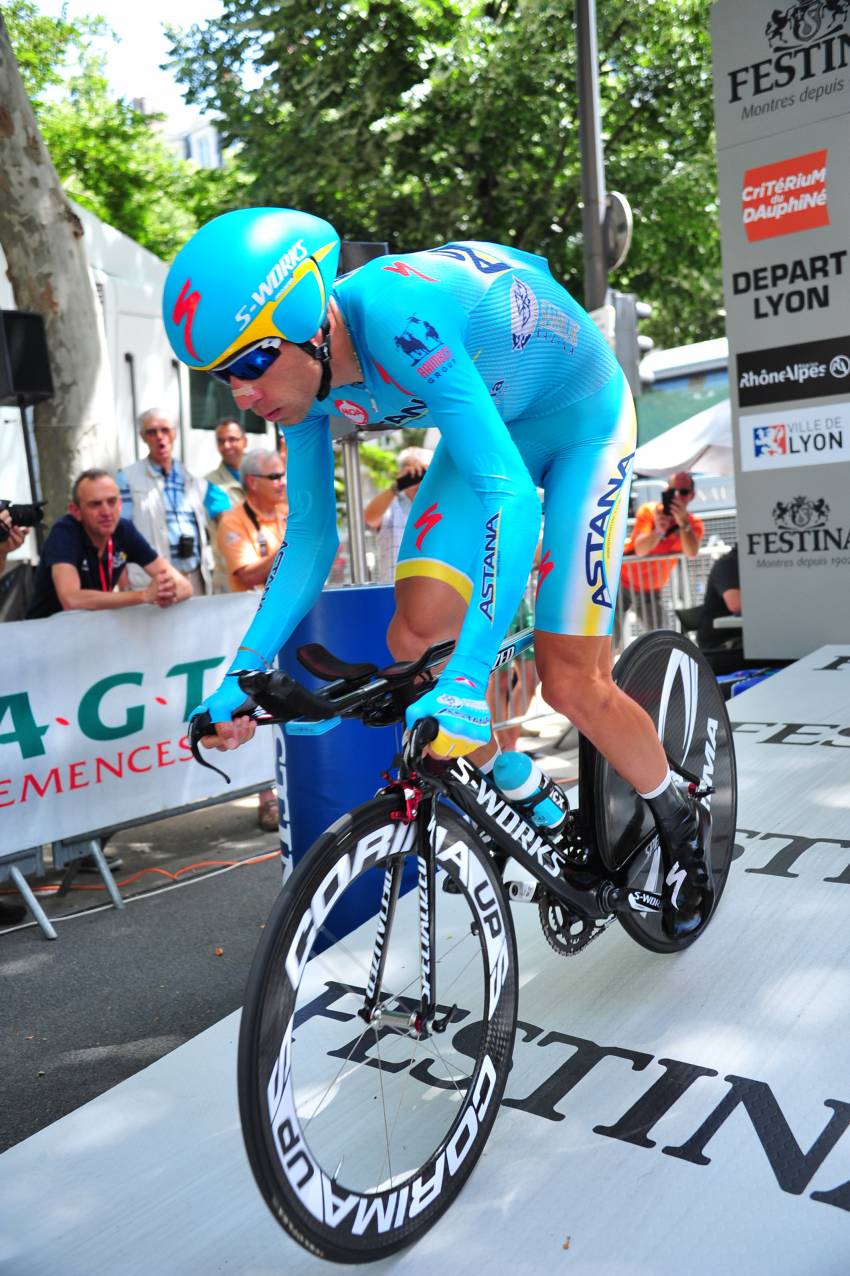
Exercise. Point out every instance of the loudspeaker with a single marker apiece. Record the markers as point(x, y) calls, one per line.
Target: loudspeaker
point(24, 366)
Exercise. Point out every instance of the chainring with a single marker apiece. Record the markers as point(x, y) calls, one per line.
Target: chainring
point(567, 933)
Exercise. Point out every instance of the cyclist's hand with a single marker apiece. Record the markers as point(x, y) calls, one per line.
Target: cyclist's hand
point(460, 707)
point(230, 735)
point(228, 732)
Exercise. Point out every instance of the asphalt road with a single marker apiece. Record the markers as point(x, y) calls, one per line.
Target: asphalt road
point(119, 989)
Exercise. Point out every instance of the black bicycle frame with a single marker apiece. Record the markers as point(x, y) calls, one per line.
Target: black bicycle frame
point(590, 895)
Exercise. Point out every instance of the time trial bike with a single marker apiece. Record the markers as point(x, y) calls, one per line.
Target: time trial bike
point(379, 1019)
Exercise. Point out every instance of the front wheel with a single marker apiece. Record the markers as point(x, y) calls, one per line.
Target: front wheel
point(670, 678)
point(361, 1131)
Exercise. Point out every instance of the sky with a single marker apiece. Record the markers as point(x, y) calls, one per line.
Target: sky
point(133, 65)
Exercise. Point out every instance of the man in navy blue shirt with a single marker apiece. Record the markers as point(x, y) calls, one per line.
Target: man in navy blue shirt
point(84, 559)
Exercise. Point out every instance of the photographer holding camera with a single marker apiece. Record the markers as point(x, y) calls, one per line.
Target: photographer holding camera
point(387, 512)
point(12, 533)
point(169, 506)
point(662, 527)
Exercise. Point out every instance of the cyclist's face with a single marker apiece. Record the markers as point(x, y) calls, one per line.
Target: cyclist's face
point(286, 389)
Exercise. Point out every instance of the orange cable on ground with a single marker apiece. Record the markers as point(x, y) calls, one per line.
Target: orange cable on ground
point(163, 872)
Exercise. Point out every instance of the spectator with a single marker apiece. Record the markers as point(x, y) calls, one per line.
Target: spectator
point(10, 912)
point(231, 442)
point(387, 512)
point(85, 556)
point(168, 505)
point(250, 534)
point(14, 540)
point(657, 532)
point(249, 537)
point(722, 598)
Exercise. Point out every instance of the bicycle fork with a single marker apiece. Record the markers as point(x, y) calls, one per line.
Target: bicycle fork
point(421, 1022)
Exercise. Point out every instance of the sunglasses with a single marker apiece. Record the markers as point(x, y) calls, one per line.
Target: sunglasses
point(250, 363)
point(278, 476)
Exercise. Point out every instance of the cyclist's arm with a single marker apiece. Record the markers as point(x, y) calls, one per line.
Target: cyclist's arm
point(484, 452)
point(301, 565)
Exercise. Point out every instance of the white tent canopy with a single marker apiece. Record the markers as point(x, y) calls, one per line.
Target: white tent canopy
point(702, 443)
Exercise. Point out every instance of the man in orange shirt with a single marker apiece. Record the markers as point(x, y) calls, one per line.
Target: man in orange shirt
point(662, 527)
point(249, 536)
point(251, 533)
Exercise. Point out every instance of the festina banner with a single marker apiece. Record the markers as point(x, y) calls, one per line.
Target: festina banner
point(93, 713)
point(782, 106)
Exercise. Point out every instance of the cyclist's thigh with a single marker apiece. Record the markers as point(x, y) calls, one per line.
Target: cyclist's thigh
point(442, 533)
point(586, 505)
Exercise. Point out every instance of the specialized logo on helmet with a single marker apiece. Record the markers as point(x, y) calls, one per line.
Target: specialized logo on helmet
point(184, 308)
point(267, 287)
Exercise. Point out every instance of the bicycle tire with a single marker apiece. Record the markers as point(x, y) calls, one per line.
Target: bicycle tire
point(666, 674)
point(302, 1134)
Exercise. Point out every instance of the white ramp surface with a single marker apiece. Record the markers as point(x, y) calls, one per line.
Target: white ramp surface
point(665, 1115)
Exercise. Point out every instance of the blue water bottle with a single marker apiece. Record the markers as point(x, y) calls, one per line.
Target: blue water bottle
point(526, 786)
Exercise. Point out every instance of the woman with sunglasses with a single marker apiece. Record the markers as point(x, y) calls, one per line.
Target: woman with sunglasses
point(480, 341)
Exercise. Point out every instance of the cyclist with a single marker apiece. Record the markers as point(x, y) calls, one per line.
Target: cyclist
point(482, 340)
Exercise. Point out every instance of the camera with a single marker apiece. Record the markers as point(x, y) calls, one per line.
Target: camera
point(407, 480)
point(185, 546)
point(667, 499)
point(21, 516)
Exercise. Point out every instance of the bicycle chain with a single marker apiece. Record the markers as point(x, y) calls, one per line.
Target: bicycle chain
point(566, 933)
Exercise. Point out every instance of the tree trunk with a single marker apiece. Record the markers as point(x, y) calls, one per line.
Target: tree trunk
point(42, 239)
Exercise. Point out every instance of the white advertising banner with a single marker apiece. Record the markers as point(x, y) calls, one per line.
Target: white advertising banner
point(93, 712)
point(782, 107)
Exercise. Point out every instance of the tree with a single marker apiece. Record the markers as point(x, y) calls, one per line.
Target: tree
point(42, 239)
point(417, 121)
point(110, 155)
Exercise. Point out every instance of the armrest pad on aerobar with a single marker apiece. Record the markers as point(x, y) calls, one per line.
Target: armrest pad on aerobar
point(317, 660)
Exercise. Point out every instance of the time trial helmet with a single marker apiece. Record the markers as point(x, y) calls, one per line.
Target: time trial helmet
point(248, 275)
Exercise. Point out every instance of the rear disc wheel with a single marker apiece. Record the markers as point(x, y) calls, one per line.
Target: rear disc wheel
point(671, 679)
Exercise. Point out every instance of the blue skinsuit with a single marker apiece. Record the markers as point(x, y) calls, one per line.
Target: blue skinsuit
point(480, 341)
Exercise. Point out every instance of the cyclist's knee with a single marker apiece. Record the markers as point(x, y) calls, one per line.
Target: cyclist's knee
point(426, 612)
point(410, 634)
point(582, 699)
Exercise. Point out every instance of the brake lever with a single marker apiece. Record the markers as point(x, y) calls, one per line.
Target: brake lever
point(202, 724)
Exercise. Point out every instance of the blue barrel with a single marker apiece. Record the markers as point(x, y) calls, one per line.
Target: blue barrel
point(321, 777)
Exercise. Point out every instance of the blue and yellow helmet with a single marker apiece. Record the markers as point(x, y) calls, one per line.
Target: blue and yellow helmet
point(247, 275)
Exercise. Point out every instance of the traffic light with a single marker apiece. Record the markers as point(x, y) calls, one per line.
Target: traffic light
point(630, 345)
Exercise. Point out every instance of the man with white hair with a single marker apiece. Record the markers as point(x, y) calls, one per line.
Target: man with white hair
point(250, 534)
point(168, 505)
point(249, 537)
point(387, 512)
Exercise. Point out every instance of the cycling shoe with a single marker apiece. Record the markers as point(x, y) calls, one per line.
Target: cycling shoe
point(687, 893)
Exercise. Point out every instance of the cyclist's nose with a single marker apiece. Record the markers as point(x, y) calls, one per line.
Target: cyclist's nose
point(244, 392)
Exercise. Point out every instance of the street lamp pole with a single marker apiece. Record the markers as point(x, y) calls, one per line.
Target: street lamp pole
point(592, 161)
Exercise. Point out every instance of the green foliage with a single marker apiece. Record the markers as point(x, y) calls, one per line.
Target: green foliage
point(418, 121)
point(110, 156)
